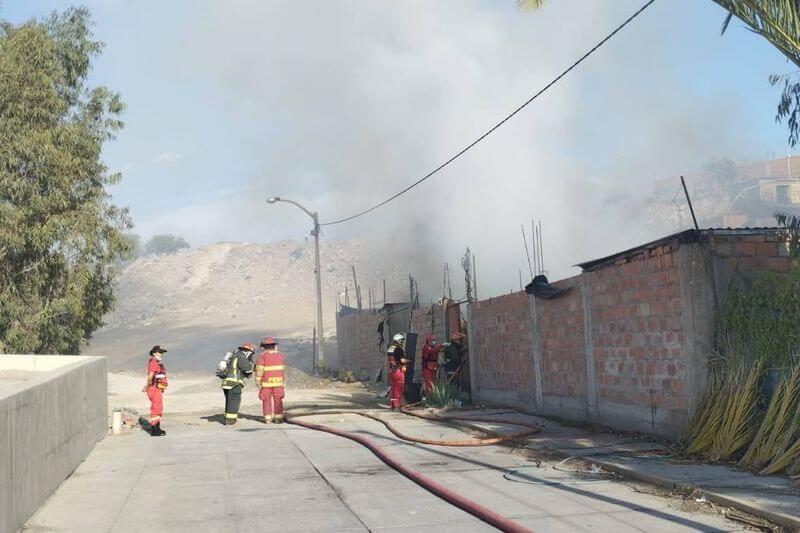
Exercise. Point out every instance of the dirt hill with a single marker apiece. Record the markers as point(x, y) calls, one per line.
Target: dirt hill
point(201, 302)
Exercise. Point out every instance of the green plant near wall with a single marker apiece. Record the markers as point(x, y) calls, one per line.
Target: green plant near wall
point(789, 233)
point(757, 334)
point(760, 322)
point(444, 393)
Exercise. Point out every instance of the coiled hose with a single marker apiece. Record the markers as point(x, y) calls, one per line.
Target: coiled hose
point(469, 506)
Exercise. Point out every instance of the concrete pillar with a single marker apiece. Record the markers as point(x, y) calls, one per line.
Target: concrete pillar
point(588, 350)
point(698, 318)
point(536, 353)
point(473, 354)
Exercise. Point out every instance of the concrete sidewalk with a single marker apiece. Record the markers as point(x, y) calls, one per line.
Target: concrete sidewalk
point(206, 477)
point(769, 497)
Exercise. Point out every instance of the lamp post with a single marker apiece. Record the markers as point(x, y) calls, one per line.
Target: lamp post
point(315, 217)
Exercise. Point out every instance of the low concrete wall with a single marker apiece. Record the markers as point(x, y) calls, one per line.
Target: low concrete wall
point(48, 425)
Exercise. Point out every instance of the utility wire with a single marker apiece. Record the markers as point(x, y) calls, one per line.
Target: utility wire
point(496, 126)
point(333, 249)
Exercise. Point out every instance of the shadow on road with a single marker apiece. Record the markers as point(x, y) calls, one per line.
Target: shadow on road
point(220, 418)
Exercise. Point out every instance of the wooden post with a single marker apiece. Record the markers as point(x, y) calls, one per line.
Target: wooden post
point(358, 289)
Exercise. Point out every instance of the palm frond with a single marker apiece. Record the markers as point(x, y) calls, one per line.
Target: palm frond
point(778, 21)
point(530, 5)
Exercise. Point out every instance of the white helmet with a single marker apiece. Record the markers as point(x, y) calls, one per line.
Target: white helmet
point(399, 337)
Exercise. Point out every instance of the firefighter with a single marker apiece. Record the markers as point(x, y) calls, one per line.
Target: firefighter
point(430, 363)
point(154, 388)
point(240, 366)
point(397, 379)
point(454, 353)
point(270, 379)
point(395, 352)
point(397, 369)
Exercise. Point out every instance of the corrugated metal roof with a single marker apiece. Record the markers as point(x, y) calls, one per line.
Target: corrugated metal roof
point(683, 237)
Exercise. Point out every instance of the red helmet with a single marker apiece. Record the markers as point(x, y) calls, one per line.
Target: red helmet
point(249, 346)
point(268, 341)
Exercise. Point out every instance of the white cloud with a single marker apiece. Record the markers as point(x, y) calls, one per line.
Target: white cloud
point(167, 158)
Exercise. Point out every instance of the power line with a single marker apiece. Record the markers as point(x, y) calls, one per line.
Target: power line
point(345, 263)
point(496, 126)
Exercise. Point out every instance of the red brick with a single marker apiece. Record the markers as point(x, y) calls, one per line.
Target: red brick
point(744, 248)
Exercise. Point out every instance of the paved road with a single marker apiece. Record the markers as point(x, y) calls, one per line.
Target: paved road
point(252, 477)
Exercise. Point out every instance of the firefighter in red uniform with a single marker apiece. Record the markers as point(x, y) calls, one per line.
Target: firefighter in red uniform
point(154, 388)
point(398, 381)
point(430, 363)
point(397, 370)
point(270, 379)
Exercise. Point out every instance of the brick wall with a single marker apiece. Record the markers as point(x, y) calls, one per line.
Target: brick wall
point(563, 360)
point(502, 346)
point(737, 259)
point(357, 343)
point(639, 341)
point(627, 347)
point(357, 335)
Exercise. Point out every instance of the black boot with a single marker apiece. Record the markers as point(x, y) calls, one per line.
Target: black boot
point(156, 431)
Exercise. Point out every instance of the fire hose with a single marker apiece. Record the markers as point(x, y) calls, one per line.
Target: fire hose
point(469, 506)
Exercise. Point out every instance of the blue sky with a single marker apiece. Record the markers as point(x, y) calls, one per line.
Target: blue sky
point(338, 104)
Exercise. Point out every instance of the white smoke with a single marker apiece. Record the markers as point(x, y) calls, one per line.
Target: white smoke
point(351, 101)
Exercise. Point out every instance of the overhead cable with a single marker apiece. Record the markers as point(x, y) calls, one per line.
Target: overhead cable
point(496, 126)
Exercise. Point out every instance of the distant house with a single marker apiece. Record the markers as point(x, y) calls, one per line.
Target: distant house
point(749, 198)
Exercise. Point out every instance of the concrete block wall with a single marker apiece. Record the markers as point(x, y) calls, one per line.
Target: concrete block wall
point(628, 346)
point(48, 425)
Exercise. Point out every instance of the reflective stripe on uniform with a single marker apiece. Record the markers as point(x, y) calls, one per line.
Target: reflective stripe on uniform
point(271, 385)
point(275, 367)
point(272, 381)
point(231, 415)
point(231, 383)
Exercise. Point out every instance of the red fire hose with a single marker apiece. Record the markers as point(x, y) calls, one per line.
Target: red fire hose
point(493, 438)
point(479, 511)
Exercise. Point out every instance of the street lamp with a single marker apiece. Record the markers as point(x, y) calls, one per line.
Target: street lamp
point(315, 217)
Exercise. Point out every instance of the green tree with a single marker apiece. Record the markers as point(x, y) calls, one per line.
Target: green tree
point(789, 233)
point(135, 246)
point(165, 244)
point(722, 172)
point(60, 235)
